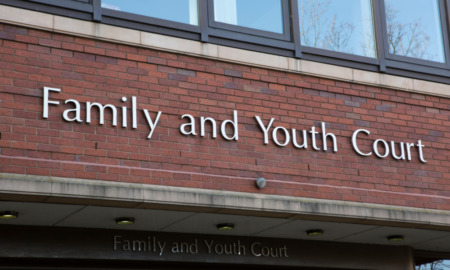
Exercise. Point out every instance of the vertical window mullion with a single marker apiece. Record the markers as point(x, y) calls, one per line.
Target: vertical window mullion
point(97, 9)
point(296, 28)
point(445, 24)
point(380, 33)
point(286, 16)
point(204, 21)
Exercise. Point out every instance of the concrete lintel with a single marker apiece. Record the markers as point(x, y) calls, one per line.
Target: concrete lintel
point(118, 194)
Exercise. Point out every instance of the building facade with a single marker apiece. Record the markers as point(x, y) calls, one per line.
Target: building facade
point(217, 134)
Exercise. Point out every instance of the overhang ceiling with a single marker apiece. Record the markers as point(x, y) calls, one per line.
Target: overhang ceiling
point(82, 216)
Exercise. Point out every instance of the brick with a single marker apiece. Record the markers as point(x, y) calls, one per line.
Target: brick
point(50, 43)
point(92, 70)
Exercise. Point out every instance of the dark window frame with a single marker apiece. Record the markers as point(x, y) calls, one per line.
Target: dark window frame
point(68, 8)
point(288, 45)
point(72, 4)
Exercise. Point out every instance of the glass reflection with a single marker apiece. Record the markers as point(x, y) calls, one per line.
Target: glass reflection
point(258, 14)
point(338, 25)
point(183, 11)
point(414, 29)
point(435, 265)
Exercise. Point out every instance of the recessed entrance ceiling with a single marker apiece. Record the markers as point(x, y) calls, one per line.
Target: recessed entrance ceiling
point(81, 216)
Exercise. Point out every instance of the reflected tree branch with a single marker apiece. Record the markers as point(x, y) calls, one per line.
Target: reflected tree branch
point(407, 39)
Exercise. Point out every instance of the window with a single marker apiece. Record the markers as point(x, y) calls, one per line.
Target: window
point(263, 15)
point(338, 25)
point(182, 11)
point(414, 29)
point(407, 38)
point(433, 265)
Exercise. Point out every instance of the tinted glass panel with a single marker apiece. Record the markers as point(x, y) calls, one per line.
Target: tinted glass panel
point(414, 29)
point(183, 11)
point(338, 25)
point(436, 265)
point(258, 14)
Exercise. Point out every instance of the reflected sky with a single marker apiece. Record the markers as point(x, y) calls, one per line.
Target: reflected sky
point(414, 29)
point(338, 25)
point(258, 14)
point(346, 26)
point(183, 11)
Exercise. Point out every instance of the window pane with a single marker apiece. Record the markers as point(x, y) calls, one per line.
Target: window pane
point(258, 14)
point(436, 265)
point(338, 25)
point(183, 11)
point(414, 29)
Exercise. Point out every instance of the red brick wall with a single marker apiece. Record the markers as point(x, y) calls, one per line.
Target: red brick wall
point(97, 71)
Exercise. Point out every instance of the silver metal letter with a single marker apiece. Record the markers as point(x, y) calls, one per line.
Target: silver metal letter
point(420, 147)
point(101, 110)
point(150, 122)
point(286, 134)
point(265, 129)
point(134, 112)
point(191, 124)
point(375, 148)
point(234, 123)
point(355, 145)
point(402, 150)
point(77, 111)
point(46, 101)
point(324, 139)
point(213, 125)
